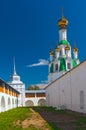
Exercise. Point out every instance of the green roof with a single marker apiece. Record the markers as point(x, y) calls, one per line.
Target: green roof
point(63, 42)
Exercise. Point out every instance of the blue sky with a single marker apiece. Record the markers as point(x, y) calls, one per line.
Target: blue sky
point(27, 31)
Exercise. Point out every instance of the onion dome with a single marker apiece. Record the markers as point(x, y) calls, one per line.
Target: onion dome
point(51, 52)
point(62, 23)
point(67, 48)
point(57, 49)
point(75, 49)
point(63, 42)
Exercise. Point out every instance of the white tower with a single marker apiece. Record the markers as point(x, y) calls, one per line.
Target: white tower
point(18, 85)
point(61, 59)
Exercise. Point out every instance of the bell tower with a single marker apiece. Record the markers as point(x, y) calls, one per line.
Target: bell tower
point(16, 83)
point(61, 59)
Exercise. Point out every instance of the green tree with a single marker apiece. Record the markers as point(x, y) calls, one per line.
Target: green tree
point(36, 88)
point(30, 87)
point(33, 87)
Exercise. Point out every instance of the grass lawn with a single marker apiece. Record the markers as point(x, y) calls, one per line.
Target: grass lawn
point(41, 118)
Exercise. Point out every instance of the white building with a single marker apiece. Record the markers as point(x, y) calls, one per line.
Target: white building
point(18, 85)
point(67, 78)
point(27, 97)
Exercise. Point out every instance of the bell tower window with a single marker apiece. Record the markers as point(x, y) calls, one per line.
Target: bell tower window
point(56, 67)
point(51, 68)
point(68, 65)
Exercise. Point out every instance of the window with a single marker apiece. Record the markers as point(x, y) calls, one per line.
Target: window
point(56, 67)
point(81, 99)
point(51, 68)
point(68, 65)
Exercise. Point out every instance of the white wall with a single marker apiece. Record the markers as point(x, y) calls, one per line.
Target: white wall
point(65, 91)
point(7, 102)
point(35, 100)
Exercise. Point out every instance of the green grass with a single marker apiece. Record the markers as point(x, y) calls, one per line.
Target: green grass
point(9, 118)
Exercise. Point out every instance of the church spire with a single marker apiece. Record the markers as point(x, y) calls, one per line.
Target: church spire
point(62, 12)
point(14, 72)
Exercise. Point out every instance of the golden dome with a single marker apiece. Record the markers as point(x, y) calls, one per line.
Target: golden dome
point(75, 49)
point(51, 52)
point(67, 47)
point(57, 49)
point(62, 22)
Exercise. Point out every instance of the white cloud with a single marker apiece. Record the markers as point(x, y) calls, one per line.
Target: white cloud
point(45, 81)
point(41, 62)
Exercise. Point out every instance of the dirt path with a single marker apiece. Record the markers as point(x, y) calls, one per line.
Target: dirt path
point(40, 117)
point(35, 120)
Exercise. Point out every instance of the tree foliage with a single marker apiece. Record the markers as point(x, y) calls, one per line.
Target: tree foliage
point(33, 87)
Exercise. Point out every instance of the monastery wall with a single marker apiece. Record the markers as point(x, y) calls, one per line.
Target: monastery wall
point(69, 91)
point(35, 98)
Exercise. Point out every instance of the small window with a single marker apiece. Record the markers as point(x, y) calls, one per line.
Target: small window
point(68, 65)
point(81, 99)
point(56, 67)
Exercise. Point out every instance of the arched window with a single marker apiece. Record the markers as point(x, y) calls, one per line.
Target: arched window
point(68, 65)
point(56, 67)
point(62, 64)
point(51, 68)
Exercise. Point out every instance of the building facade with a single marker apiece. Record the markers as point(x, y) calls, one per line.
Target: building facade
point(61, 59)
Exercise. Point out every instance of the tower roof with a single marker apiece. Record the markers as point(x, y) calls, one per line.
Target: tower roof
point(62, 22)
point(63, 42)
point(67, 47)
point(51, 52)
point(75, 49)
point(14, 78)
point(57, 49)
point(14, 72)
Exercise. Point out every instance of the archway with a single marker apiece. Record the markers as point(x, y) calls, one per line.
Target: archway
point(2, 104)
point(29, 103)
point(42, 102)
point(9, 104)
